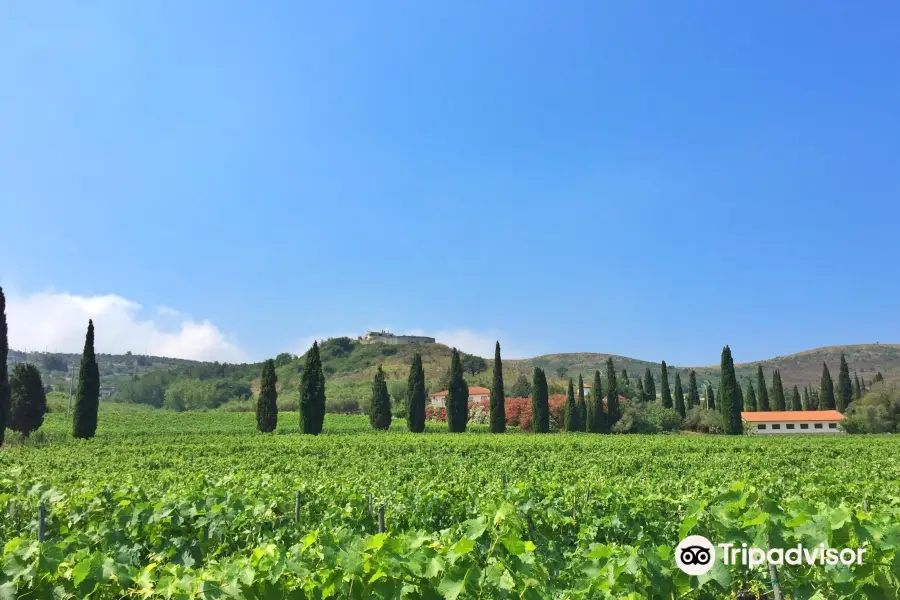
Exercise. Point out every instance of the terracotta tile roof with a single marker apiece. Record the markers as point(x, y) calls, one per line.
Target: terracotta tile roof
point(473, 391)
point(792, 415)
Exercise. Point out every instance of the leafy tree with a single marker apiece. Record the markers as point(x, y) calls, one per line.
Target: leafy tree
point(750, 396)
point(710, 397)
point(87, 398)
point(4, 373)
point(879, 377)
point(267, 403)
point(416, 396)
point(54, 362)
point(680, 407)
point(521, 388)
point(762, 390)
point(28, 402)
point(778, 391)
point(457, 396)
point(693, 391)
point(664, 387)
point(857, 390)
point(796, 402)
point(571, 412)
point(729, 402)
point(497, 401)
point(282, 359)
point(471, 364)
point(540, 409)
point(826, 387)
point(613, 410)
point(845, 386)
point(380, 411)
point(312, 393)
point(649, 386)
point(580, 405)
point(561, 371)
point(596, 417)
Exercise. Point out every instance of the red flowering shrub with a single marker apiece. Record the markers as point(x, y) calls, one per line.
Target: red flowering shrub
point(436, 413)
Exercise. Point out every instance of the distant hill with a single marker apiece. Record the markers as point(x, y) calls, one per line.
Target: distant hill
point(349, 367)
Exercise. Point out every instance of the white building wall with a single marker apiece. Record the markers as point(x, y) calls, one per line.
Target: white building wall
point(825, 427)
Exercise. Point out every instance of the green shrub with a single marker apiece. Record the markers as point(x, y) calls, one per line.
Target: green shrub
point(703, 420)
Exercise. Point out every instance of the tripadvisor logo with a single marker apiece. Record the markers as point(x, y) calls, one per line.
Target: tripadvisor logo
point(696, 555)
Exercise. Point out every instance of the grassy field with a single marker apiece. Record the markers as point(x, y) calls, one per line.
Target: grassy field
point(200, 505)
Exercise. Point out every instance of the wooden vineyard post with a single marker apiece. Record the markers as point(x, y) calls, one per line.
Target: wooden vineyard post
point(381, 518)
point(41, 516)
point(297, 508)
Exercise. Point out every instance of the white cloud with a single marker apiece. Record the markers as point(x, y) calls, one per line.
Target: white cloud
point(57, 322)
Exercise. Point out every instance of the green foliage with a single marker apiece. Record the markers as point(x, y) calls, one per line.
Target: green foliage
point(4, 373)
point(54, 362)
point(380, 405)
point(665, 390)
point(497, 399)
point(649, 386)
point(540, 409)
point(416, 395)
point(521, 388)
point(876, 412)
point(596, 416)
point(613, 410)
point(750, 398)
point(87, 398)
point(581, 405)
point(805, 399)
point(28, 401)
point(796, 403)
point(729, 402)
point(704, 420)
point(693, 391)
point(283, 359)
point(680, 407)
point(763, 390)
point(778, 398)
point(857, 389)
point(149, 388)
point(570, 416)
point(878, 377)
point(190, 394)
point(826, 390)
point(473, 365)
point(646, 417)
point(710, 399)
point(312, 393)
point(457, 395)
point(845, 386)
point(267, 402)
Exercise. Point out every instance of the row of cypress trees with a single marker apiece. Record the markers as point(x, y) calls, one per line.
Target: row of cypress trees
point(825, 398)
point(312, 395)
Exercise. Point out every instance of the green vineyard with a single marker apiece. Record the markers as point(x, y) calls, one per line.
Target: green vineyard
point(199, 505)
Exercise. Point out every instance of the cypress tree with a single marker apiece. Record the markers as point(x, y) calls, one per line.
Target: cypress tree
point(778, 391)
point(380, 406)
point(416, 396)
point(457, 396)
point(613, 410)
point(580, 405)
point(845, 386)
point(710, 397)
point(596, 417)
point(540, 409)
point(664, 386)
point(729, 401)
point(762, 391)
point(571, 411)
point(4, 373)
point(863, 386)
point(312, 393)
point(693, 390)
point(498, 401)
point(815, 400)
point(796, 403)
point(521, 388)
point(640, 390)
point(679, 396)
point(87, 398)
point(857, 390)
point(750, 397)
point(649, 386)
point(879, 377)
point(28, 402)
point(804, 400)
point(625, 384)
point(826, 398)
point(267, 403)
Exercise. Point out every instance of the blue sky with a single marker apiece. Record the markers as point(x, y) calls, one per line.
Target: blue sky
point(641, 178)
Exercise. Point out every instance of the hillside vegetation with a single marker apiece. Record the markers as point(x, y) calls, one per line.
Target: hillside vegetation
point(349, 367)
